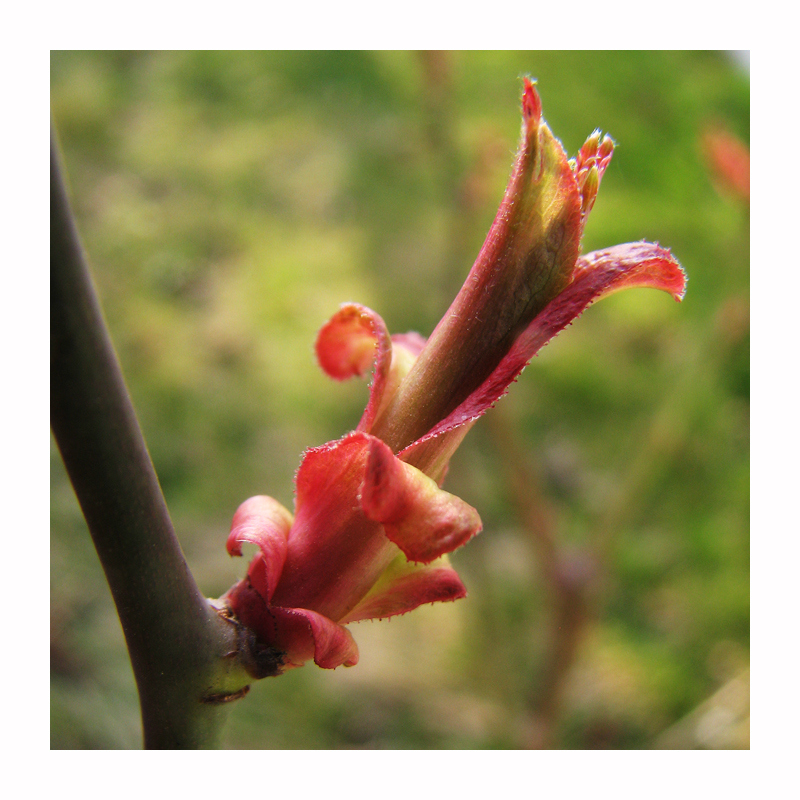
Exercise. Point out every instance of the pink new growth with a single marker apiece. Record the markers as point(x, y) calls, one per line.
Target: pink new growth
point(372, 527)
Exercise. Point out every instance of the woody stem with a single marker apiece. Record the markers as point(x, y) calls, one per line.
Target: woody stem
point(179, 646)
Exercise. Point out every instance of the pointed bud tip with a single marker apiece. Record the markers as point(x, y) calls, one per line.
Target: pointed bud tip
point(589, 149)
point(589, 165)
point(595, 152)
point(531, 102)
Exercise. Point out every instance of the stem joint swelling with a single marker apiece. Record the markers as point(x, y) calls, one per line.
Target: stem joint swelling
point(259, 660)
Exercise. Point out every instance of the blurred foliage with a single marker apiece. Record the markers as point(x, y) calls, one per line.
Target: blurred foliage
point(229, 202)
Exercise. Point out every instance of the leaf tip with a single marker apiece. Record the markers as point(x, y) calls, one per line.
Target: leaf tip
point(531, 103)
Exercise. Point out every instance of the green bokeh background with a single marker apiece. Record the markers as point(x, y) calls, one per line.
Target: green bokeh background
point(229, 202)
